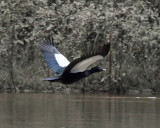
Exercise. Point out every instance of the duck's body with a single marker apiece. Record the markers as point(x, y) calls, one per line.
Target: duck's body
point(69, 78)
point(71, 72)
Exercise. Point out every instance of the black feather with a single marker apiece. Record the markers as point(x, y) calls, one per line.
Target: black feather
point(103, 51)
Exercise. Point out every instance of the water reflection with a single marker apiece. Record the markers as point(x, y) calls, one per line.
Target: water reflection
point(77, 111)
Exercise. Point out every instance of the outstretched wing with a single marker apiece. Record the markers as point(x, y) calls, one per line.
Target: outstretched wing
point(81, 64)
point(54, 59)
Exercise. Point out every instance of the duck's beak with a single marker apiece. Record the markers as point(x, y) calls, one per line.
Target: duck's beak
point(104, 69)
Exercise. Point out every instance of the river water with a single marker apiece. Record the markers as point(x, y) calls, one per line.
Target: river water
point(78, 111)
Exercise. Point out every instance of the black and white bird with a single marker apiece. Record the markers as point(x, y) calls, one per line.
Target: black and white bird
point(69, 72)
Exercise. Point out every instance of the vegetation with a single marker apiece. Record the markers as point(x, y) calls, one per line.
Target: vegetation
point(77, 26)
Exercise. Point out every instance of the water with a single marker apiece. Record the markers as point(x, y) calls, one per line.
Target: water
point(78, 111)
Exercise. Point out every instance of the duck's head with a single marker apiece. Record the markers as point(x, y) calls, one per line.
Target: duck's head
point(97, 69)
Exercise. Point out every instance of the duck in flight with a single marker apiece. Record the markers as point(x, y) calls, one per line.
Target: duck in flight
point(70, 72)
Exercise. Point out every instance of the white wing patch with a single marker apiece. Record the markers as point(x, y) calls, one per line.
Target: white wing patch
point(61, 60)
point(82, 66)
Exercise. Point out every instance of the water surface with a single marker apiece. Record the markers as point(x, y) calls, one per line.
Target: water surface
point(78, 111)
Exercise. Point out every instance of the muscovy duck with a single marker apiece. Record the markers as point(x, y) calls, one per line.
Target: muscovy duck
point(69, 72)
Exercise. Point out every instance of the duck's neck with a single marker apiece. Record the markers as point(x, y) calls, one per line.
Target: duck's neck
point(89, 72)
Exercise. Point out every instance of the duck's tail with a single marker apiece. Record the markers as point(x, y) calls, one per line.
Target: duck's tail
point(52, 79)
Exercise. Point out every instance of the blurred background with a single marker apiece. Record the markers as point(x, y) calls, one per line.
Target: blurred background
point(132, 28)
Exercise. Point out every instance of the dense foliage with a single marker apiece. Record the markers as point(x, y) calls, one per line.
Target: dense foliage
point(132, 27)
